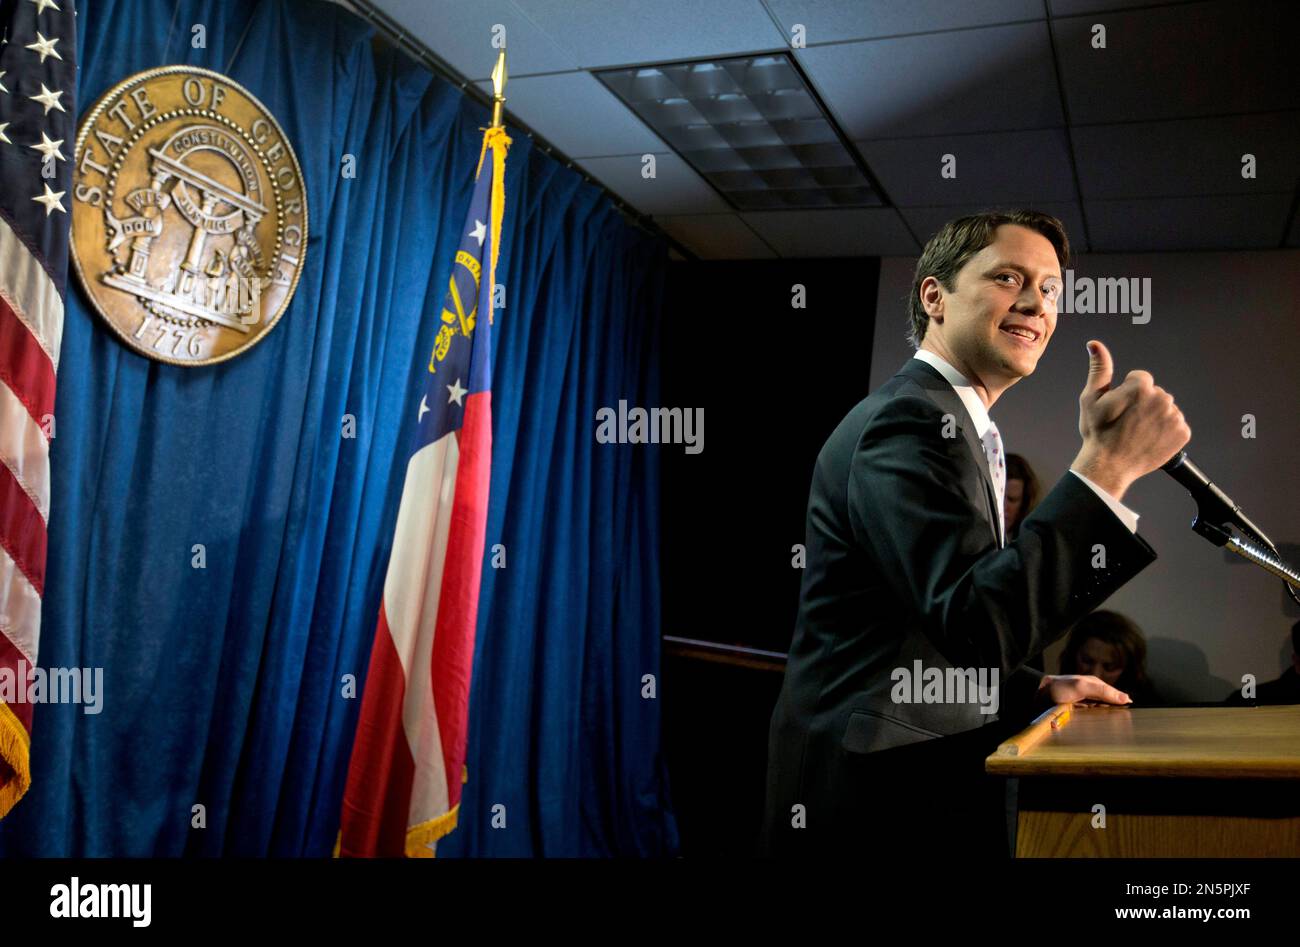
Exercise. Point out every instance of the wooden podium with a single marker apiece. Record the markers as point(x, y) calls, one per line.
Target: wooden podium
point(1178, 782)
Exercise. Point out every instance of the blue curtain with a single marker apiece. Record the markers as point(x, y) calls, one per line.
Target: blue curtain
point(223, 684)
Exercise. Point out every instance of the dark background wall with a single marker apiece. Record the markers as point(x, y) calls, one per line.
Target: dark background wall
point(773, 381)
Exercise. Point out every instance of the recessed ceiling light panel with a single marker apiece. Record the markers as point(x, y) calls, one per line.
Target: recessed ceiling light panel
point(751, 127)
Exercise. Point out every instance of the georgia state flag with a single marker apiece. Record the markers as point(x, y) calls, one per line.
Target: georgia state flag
point(408, 761)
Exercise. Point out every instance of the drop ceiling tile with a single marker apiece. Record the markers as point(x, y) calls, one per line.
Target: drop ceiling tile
point(996, 78)
point(926, 221)
point(715, 236)
point(1006, 166)
point(829, 21)
point(1180, 61)
point(461, 34)
point(1076, 7)
point(578, 115)
point(831, 233)
point(675, 188)
point(598, 34)
point(1237, 222)
point(1188, 156)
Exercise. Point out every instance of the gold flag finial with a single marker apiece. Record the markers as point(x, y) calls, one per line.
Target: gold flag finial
point(498, 88)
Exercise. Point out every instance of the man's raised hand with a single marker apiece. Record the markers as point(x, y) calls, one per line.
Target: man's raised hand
point(1128, 430)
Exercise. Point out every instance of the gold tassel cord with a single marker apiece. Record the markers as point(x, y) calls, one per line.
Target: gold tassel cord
point(496, 139)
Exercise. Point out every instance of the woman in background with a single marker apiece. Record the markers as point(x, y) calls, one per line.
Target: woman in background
point(1111, 647)
point(1021, 494)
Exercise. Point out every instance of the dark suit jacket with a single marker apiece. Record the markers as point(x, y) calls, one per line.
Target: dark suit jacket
point(903, 564)
point(1285, 690)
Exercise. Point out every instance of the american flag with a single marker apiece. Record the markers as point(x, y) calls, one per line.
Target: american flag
point(38, 84)
point(408, 760)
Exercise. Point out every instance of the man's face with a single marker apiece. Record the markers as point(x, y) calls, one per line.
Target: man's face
point(1010, 286)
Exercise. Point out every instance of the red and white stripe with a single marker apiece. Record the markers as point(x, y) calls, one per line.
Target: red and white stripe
point(407, 762)
point(31, 329)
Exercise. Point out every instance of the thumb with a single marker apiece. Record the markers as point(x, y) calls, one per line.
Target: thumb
point(1100, 369)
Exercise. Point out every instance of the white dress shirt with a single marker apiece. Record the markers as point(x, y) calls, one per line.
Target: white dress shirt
point(980, 415)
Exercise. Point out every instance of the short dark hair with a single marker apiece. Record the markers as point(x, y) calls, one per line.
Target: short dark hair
point(959, 240)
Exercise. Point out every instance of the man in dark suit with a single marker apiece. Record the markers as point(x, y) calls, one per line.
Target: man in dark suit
point(1284, 690)
point(916, 616)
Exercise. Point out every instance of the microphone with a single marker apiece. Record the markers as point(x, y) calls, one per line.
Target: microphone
point(1212, 503)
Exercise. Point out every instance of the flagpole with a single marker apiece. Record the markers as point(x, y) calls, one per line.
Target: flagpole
point(498, 88)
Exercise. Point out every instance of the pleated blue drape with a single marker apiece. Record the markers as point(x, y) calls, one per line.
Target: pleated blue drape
point(224, 685)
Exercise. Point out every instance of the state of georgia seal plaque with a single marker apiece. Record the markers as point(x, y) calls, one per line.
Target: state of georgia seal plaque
point(189, 217)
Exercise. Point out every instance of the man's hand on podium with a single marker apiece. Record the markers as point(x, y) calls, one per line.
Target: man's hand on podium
point(1069, 688)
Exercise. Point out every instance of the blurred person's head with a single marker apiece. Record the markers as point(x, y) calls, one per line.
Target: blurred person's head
point(1022, 492)
point(1109, 646)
